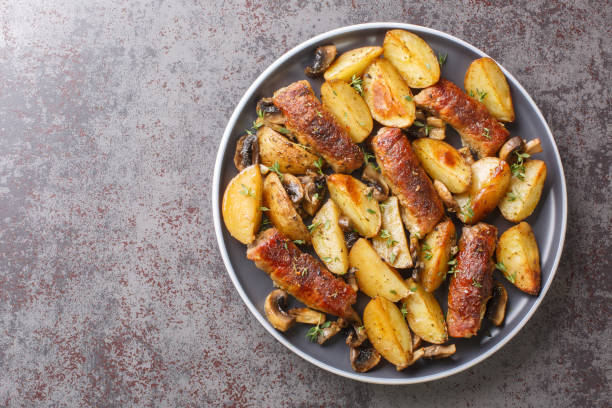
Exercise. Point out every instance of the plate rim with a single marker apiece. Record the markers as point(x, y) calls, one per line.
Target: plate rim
point(217, 214)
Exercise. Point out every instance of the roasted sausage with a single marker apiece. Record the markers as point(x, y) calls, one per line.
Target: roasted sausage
point(421, 205)
point(314, 126)
point(471, 285)
point(470, 118)
point(301, 275)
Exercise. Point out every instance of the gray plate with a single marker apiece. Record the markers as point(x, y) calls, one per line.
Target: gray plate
point(548, 221)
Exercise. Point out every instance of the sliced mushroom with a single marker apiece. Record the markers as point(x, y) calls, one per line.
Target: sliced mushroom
point(275, 312)
point(308, 316)
point(314, 190)
point(496, 308)
point(357, 336)
point(374, 179)
point(331, 330)
point(271, 114)
point(364, 357)
point(466, 153)
point(447, 198)
point(533, 146)
point(351, 279)
point(437, 133)
point(414, 246)
point(435, 122)
point(294, 188)
point(510, 148)
point(247, 152)
point(416, 341)
point(323, 58)
point(434, 351)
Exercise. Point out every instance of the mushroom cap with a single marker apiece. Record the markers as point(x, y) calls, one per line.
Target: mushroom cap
point(275, 313)
point(375, 181)
point(364, 357)
point(508, 150)
point(323, 57)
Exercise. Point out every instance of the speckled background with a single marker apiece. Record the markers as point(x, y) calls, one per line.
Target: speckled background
point(112, 291)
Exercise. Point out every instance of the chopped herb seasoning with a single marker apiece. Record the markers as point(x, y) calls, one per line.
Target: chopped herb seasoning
point(476, 284)
point(247, 191)
point(404, 310)
point(442, 59)
point(413, 289)
point(313, 226)
point(427, 252)
point(511, 196)
point(467, 209)
point(299, 241)
point(264, 208)
point(319, 165)
point(408, 98)
point(371, 211)
point(276, 168)
point(501, 266)
point(357, 84)
point(518, 168)
point(485, 133)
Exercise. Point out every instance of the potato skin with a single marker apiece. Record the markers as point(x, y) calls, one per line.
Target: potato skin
point(348, 107)
point(241, 205)
point(413, 58)
point(443, 162)
point(352, 62)
point(519, 253)
point(435, 254)
point(424, 314)
point(526, 192)
point(282, 213)
point(291, 158)
point(328, 239)
point(484, 75)
point(471, 285)
point(421, 205)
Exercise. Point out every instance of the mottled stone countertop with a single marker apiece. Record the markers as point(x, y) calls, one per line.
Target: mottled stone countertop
point(112, 290)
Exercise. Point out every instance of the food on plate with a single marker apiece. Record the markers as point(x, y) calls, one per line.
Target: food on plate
point(490, 181)
point(471, 283)
point(351, 197)
point(413, 58)
point(301, 274)
point(282, 212)
point(314, 191)
point(496, 308)
point(443, 162)
point(323, 58)
point(374, 276)
point(352, 63)
point(241, 206)
point(314, 126)
point(282, 319)
point(518, 258)
point(436, 253)
point(388, 331)
point(391, 243)
point(515, 149)
point(247, 151)
point(387, 95)
point(424, 314)
point(328, 238)
point(277, 151)
point(470, 118)
point(486, 82)
point(524, 190)
point(348, 107)
point(421, 206)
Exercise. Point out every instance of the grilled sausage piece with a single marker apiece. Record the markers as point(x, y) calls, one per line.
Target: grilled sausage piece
point(421, 205)
point(470, 118)
point(314, 126)
point(471, 285)
point(301, 275)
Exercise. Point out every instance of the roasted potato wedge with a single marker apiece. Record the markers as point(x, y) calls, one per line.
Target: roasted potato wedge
point(374, 276)
point(241, 205)
point(348, 108)
point(443, 162)
point(424, 314)
point(282, 213)
point(352, 62)
point(328, 238)
point(523, 195)
point(387, 95)
point(518, 258)
point(485, 81)
point(291, 157)
point(350, 195)
point(388, 332)
point(436, 253)
point(391, 243)
point(490, 181)
point(413, 58)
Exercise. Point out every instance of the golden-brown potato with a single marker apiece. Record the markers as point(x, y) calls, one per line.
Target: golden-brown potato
point(436, 253)
point(388, 332)
point(424, 314)
point(291, 157)
point(387, 95)
point(443, 162)
point(485, 81)
point(518, 258)
point(352, 62)
point(374, 276)
point(351, 196)
point(490, 181)
point(328, 238)
point(413, 58)
point(391, 243)
point(523, 195)
point(282, 213)
point(348, 107)
point(241, 206)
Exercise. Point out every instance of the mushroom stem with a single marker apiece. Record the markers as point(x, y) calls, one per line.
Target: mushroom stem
point(447, 198)
point(533, 146)
point(331, 330)
point(435, 351)
point(496, 309)
point(308, 316)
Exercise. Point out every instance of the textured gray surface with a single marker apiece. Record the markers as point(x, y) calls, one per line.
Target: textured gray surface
point(112, 292)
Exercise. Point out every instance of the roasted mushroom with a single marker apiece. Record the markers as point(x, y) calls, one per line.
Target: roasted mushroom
point(357, 335)
point(510, 148)
point(314, 190)
point(323, 58)
point(447, 198)
point(282, 320)
point(466, 153)
point(294, 188)
point(496, 309)
point(306, 315)
point(533, 146)
point(350, 235)
point(247, 152)
point(377, 185)
point(351, 279)
point(364, 357)
point(416, 341)
point(435, 351)
point(269, 112)
point(331, 330)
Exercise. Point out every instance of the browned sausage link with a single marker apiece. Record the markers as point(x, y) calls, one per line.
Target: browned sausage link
point(315, 126)
point(471, 285)
point(421, 205)
point(301, 275)
point(470, 118)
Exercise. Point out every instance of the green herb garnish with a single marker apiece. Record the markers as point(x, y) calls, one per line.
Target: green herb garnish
point(276, 168)
point(247, 191)
point(357, 84)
